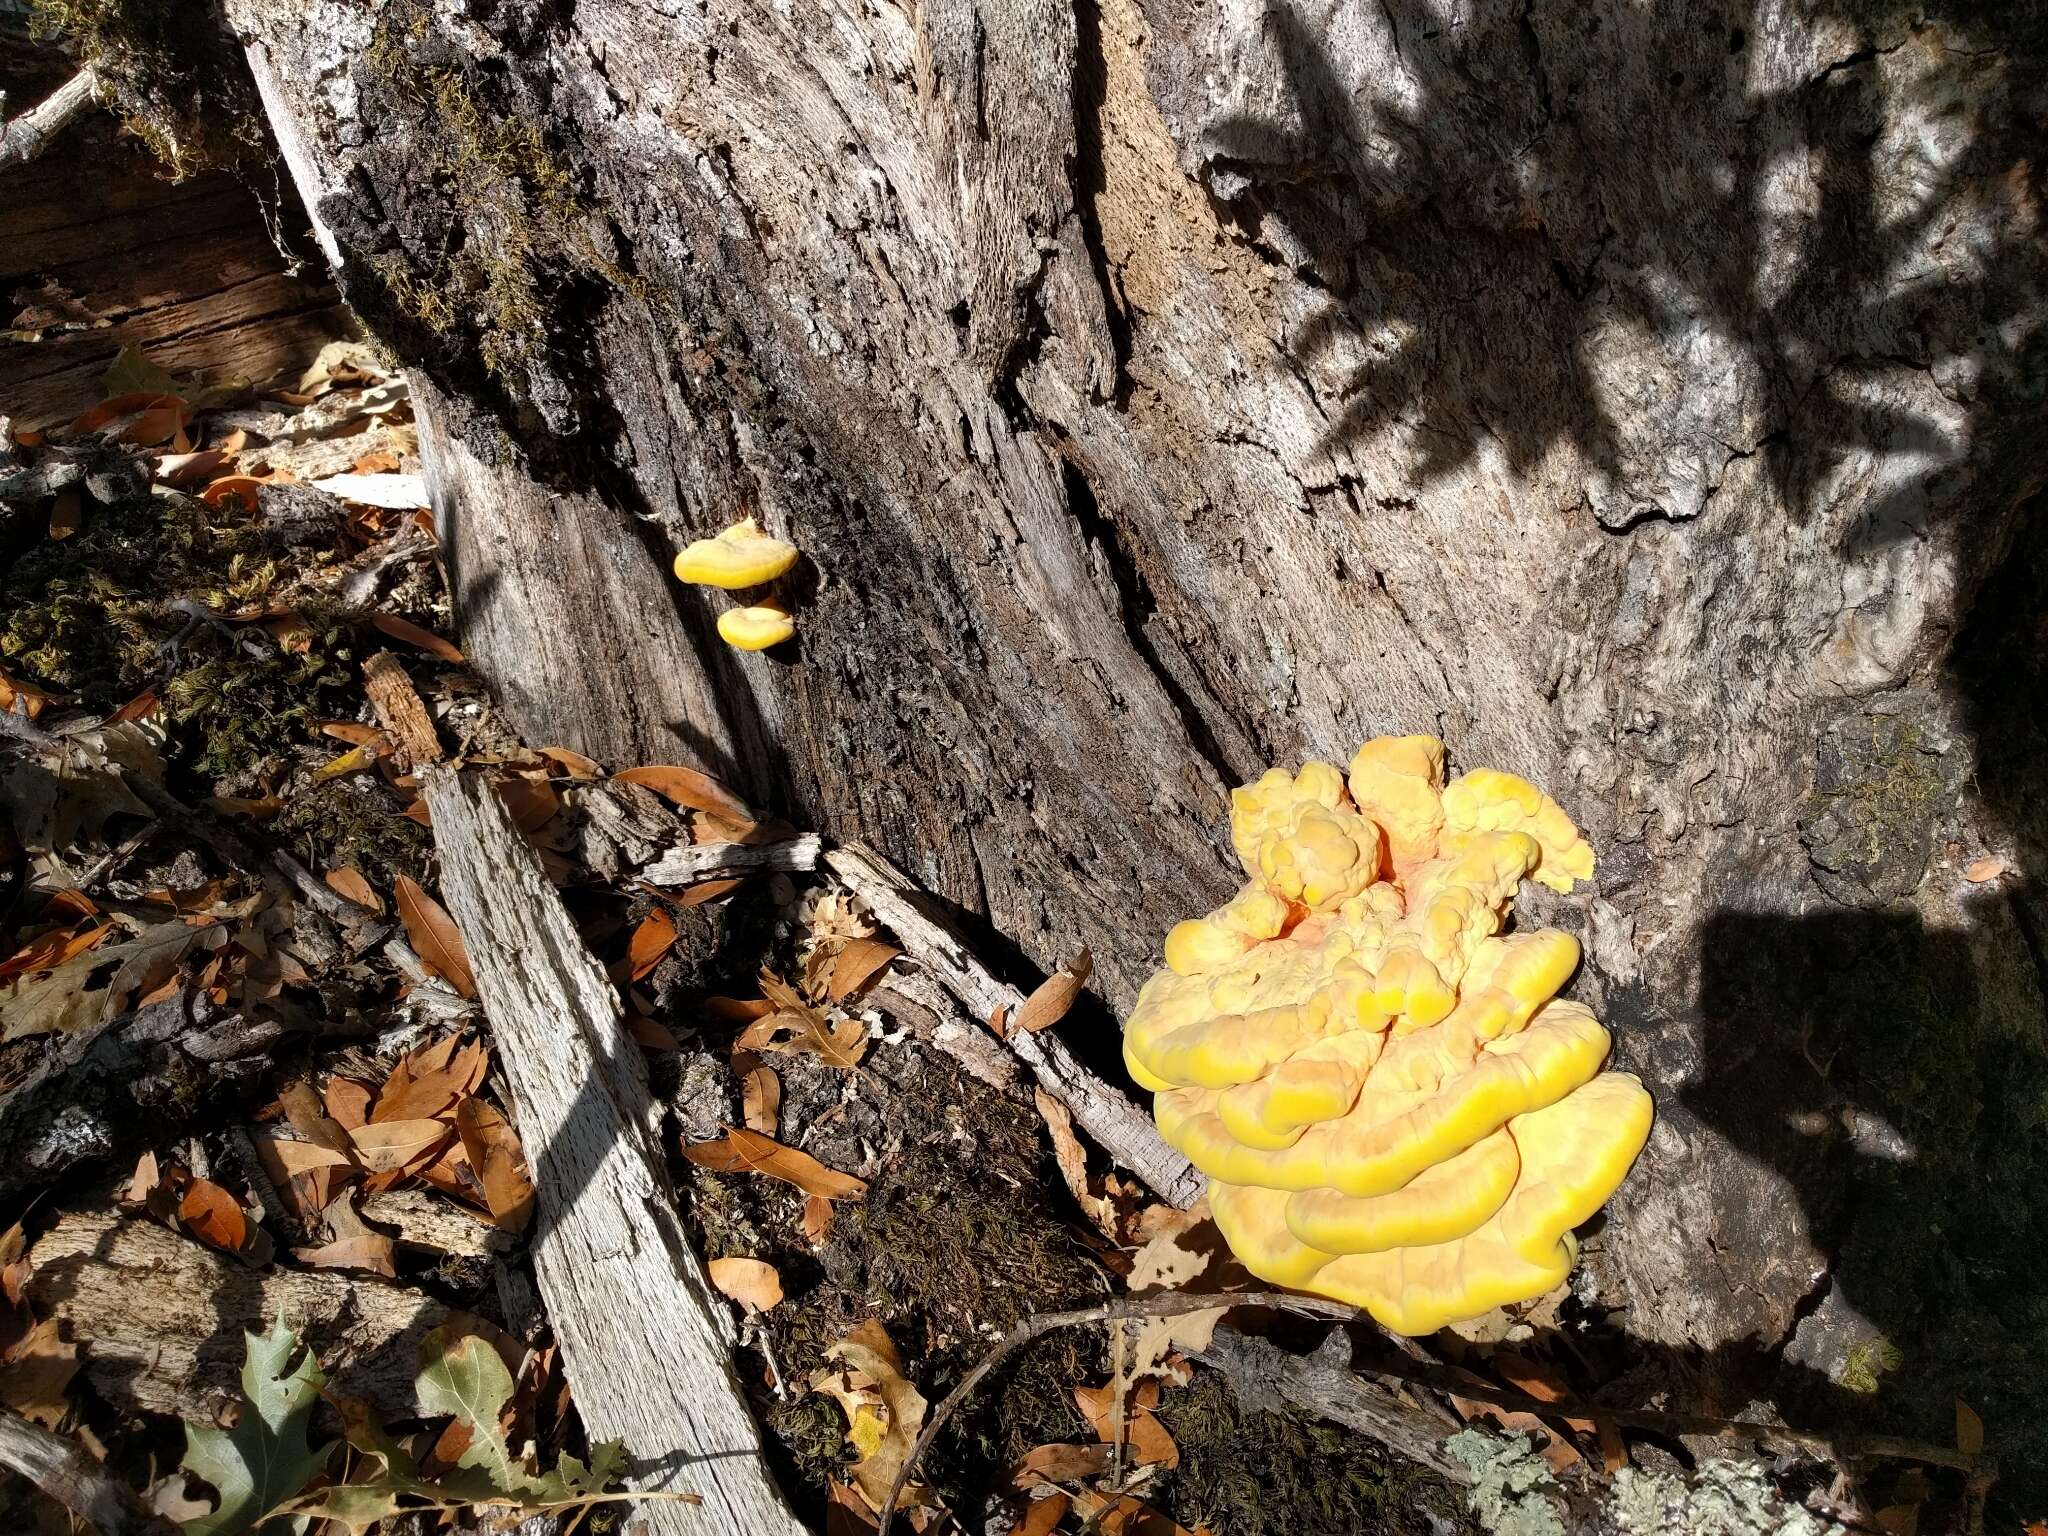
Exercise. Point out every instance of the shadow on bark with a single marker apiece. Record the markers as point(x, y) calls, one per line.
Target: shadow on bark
point(1755, 242)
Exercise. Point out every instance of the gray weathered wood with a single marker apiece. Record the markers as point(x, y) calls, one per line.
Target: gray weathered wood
point(695, 863)
point(643, 1336)
point(160, 1318)
point(63, 1470)
point(1117, 1125)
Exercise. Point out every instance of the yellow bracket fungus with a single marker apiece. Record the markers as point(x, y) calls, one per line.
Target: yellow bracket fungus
point(755, 629)
point(1393, 1107)
point(742, 556)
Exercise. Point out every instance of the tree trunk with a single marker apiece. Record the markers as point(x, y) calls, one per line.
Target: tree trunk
point(1637, 397)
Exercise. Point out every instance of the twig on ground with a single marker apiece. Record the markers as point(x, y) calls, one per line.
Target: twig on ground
point(1833, 1446)
point(1118, 1126)
point(24, 137)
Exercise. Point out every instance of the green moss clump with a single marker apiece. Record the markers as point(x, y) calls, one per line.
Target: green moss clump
point(355, 821)
point(116, 609)
point(1867, 1365)
point(1257, 1473)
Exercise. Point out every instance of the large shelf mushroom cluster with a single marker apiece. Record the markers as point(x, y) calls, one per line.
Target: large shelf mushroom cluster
point(1392, 1105)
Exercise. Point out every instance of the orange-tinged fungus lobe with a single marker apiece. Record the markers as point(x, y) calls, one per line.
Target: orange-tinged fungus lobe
point(1392, 1106)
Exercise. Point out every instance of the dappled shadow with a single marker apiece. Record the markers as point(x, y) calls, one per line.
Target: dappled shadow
point(1652, 236)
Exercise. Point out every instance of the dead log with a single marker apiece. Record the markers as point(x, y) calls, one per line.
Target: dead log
point(1118, 1126)
point(61, 1469)
point(643, 1336)
point(160, 1318)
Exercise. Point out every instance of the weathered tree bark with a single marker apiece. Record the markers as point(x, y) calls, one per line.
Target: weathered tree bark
point(1639, 397)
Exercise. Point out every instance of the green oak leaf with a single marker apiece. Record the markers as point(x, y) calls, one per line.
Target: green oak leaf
point(265, 1459)
point(466, 1377)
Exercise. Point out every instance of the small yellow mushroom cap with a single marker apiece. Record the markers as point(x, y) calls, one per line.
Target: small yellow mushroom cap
point(1391, 1103)
point(755, 629)
point(742, 556)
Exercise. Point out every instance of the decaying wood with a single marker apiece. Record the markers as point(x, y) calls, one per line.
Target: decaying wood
point(99, 251)
point(928, 935)
point(643, 1337)
point(696, 862)
point(110, 1085)
point(425, 1220)
point(1160, 391)
point(61, 1469)
point(401, 712)
point(160, 1318)
point(24, 137)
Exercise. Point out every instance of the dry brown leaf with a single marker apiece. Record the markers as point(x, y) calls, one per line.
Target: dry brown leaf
point(1050, 1000)
point(304, 1112)
point(573, 765)
point(858, 964)
point(498, 1162)
point(425, 1084)
point(347, 1101)
point(392, 1146)
point(304, 1172)
point(403, 629)
point(730, 1010)
point(1043, 1516)
point(349, 883)
point(688, 787)
point(1068, 1153)
point(708, 890)
point(761, 1100)
point(532, 803)
point(1969, 1430)
point(213, 1216)
point(1049, 1464)
point(35, 1373)
point(434, 935)
point(753, 1284)
point(1979, 871)
point(884, 1411)
point(16, 696)
point(654, 938)
point(744, 1151)
point(817, 1220)
point(797, 1026)
point(1144, 1436)
point(375, 1254)
point(50, 950)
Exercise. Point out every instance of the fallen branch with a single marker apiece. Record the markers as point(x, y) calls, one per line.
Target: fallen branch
point(24, 137)
point(62, 1470)
point(402, 713)
point(643, 1337)
point(1170, 1304)
point(1118, 1126)
point(695, 863)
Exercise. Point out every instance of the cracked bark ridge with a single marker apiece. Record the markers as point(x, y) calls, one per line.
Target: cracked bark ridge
point(1160, 390)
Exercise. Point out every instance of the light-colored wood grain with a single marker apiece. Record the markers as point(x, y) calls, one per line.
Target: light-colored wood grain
point(643, 1336)
point(159, 1318)
point(401, 711)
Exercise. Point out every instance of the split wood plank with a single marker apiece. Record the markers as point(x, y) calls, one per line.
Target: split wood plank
point(930, 937)
point(644, 1337)
point(694, 863)
point(400, 711)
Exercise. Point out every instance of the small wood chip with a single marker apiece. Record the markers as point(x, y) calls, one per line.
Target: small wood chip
point(400, 712)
